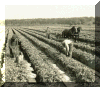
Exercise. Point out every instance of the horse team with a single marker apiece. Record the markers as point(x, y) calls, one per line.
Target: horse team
point(72, 33)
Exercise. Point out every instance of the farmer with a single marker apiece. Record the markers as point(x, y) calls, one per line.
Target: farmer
point(48, 33)
point(68, 47)
point(14, 47)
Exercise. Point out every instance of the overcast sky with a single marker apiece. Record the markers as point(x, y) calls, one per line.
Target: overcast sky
point(36, 11)
point(48, 11)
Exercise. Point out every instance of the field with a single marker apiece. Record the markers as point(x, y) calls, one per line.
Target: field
point(48, 59)
point(2, 53)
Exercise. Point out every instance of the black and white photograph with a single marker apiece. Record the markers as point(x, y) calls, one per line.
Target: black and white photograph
point(50, 46)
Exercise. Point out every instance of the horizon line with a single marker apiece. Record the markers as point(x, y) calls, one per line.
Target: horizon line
point(49, 18)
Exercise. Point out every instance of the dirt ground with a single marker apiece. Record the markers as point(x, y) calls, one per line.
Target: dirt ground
point(21, 72)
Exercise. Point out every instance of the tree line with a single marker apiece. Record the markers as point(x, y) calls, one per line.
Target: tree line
point(69, 21)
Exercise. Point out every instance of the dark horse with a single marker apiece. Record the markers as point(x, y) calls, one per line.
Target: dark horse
point(71, 33)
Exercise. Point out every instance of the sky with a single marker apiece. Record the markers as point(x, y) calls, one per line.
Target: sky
point(48, 11)
point(23, 9)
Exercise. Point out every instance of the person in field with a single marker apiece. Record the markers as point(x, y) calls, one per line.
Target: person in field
point(48, 33)
point(68, 47)
point(14, 48)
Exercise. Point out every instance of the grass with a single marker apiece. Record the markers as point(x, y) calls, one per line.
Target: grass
point(10, 33)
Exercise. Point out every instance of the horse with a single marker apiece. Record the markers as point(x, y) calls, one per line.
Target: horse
point(71, 33)
point(67, 33)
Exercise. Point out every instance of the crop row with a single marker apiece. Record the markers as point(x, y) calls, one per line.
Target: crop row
point(81, 46)
point(54, 75)
point(90, 48)
point(85, 36)
point(2, 42)
point(53, 34)
point(82, 54)
point(80, 71)
point(45, 72)
point(82, 38)
point(10, 33)
point(88, 35)
point(84, 57)
point(78, 45)
point(6, 35)
point(2, 55)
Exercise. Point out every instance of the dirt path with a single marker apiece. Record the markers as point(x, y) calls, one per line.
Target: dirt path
point(21, 73)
